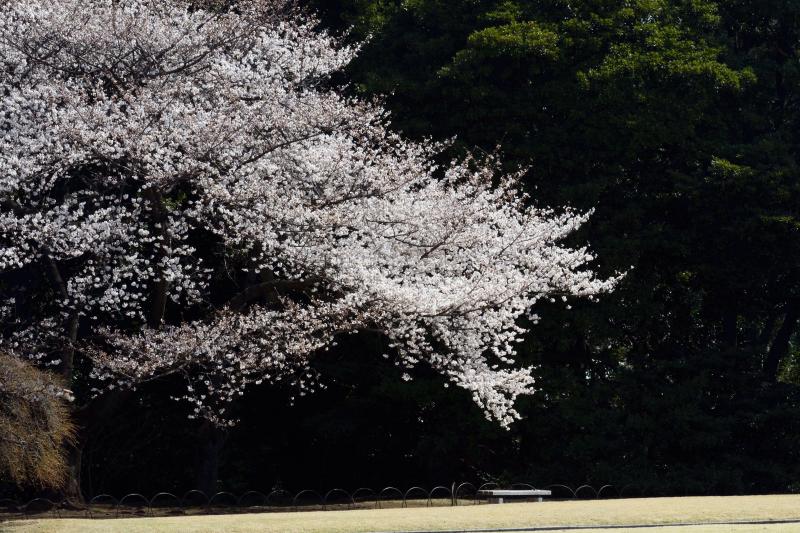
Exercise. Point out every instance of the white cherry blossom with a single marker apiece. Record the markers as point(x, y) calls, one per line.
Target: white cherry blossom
point(147, 146)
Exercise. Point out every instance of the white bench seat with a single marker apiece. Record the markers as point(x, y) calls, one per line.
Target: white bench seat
point(497, 495)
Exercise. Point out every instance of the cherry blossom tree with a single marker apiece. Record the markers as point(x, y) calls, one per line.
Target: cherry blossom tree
point(184, 192)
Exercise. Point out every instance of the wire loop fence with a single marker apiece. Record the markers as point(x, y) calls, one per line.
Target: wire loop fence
point(253, 501)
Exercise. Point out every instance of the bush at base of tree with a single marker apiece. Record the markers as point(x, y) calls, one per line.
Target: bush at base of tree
point(34, 426)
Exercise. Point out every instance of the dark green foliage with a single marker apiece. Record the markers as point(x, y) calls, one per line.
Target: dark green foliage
point(677, 120)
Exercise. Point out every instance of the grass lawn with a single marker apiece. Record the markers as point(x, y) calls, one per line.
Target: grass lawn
point(569, 513)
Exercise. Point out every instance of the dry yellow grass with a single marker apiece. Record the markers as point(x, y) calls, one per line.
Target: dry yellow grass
point(588, 513)
point(34, 425)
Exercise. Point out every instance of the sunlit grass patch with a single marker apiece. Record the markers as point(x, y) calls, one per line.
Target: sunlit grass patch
point(565, 513)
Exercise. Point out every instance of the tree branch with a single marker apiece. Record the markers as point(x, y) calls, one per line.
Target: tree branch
point(265, 290)
point(158, 300)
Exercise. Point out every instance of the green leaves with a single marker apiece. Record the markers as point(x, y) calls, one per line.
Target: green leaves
point(678, 121)
point(516, 39)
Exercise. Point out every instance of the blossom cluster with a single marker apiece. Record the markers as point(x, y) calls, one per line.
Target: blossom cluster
point(132, 132)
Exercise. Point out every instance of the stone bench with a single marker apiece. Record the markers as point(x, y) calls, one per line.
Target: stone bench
point(497, 495)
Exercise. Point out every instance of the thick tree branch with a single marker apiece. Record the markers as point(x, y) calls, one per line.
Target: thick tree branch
point(158, 298)
point(68, 353)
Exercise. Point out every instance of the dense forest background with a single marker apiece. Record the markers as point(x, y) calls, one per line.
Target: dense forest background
point(677, 121)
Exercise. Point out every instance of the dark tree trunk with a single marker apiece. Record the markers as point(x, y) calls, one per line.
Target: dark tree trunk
point(89, 419)
point(210, 442)
point(780, 345)
point(158, 301)
point(74, 450)
point(72, 489)
point(99, 411)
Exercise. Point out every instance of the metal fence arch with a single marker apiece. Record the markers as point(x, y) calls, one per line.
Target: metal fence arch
point(439, 488)
point(388, 490)
point(134, 501)
point(586, 489)
point(565, 488)
point(349, 501)
point(168, 496)
point(488, 486)
point(222, 496)
point(463, 486)
point(165, 503)
point(251, 494)
point(310, 492)
point(418, 490)
point(608, 489)
point(365, 490)
point(97, 501)
point(41, 505)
